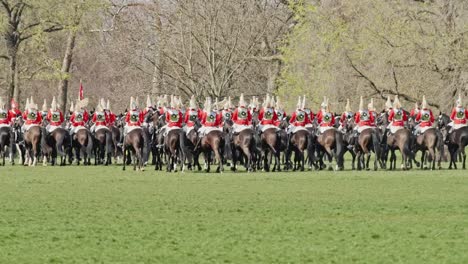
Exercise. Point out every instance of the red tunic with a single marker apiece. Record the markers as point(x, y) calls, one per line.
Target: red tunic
point(398, 117)
point(344, 117)
point(426, 117)
point(374, 115)
point(134, 118)
point(15, 112)
point(459, 115)
point(55, 118)
point(300, 118)
point(79, 118)
point(5, 117)
point(213, 119)
point(242, 116)
point(33, 118)
point(174, 118)
point(415, 111)
point(267, 116)
point(112, 118)
point(100, 118)
point(325, 119)
point(191, 116)
point(364, 118)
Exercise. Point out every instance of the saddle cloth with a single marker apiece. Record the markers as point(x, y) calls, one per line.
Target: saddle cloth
point(4, 125)
point(51, 129)
point(101, 127)
point(128, 129)
point(457, 126)
point(188, 129)
point(27, 127)
point(207, 130)
point(169, 129)
point(265, 127)
point(394, 129)
point(424, 129)
point(324, 129)
point(362, 128)
point(298, 128)
point(240, 128)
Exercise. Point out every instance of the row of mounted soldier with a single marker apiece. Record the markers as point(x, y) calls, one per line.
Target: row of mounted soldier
point(239, 130)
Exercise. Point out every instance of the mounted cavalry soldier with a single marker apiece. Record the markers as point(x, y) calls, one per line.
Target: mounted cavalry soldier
point(80, 116)
point(45, 110)
point(14, 111)
point(425, 118)
point(241, 117)
point(267, 115)
point(110, 114)
point(280, 112)
point(54, 116)
point(227, 110)
point(325, 117)
point(193, 114)
point(299, 119)
point(211, 120)
point(173, 116)
point(346, 116)
point(363, 119)
point(414, 112)
point(134, 117)
point(397, 116)
point(6, 117)
point(100, 118)
point(31, 116)
point(372, 111)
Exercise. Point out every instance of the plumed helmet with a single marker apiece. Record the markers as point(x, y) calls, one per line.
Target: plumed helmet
point(44, 106)
point(370, 106)
point(99, 108)
point(133, 103)
point(299, 103)
point(266, 102)
point(324, 103)
point(103, 103)
point(459, 101)
point(388, 103)
point(108, 105)
point(2, 103)
point(27, 102)
point(361, 104)
point(72, 106)
point(424, 102)
point(242, 102)
point(148, 101)
point(396, 102)
point(53, 105)
point(348, 106)
point(303, 105)
point(272, 101)
point(32, 105)
point(193, 102)
point(208, 105)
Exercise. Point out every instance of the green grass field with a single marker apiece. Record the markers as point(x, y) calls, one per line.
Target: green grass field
point(98, 214)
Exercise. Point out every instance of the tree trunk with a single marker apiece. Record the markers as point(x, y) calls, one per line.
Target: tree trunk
point(12, 42)
point(65, 71)
point(158, 73)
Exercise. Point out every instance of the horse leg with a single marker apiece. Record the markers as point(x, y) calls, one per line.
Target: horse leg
point(462, 151)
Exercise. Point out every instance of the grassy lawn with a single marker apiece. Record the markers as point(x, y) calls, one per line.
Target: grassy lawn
point(97, 214)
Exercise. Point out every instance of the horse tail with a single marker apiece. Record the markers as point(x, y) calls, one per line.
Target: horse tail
point(440, 145)
point(339, 148)
point(376, 144)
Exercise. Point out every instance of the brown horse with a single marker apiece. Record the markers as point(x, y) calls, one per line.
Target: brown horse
point(298, 144)
point(83, 145)
point(400, 140)
point(368, 141)
point(213, 141)
point(104, 145)
point(116, 150)
point(134, 143)
point(172, 148)
point(457, 140)
point(56, 144)
point(32, 141)
point(270, 147)
point(430, 141)
point(330, 143)
point(243, 142)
